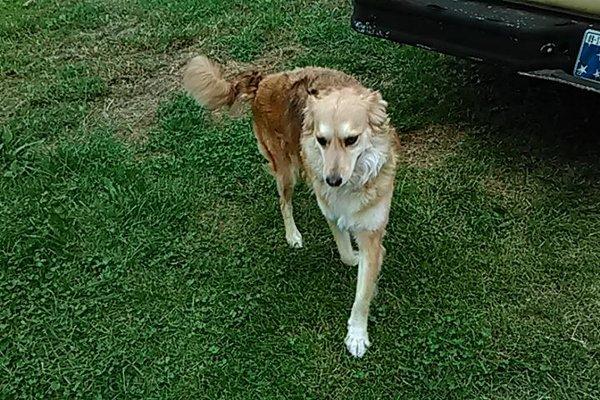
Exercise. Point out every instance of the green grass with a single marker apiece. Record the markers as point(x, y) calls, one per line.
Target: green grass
point(142, 253)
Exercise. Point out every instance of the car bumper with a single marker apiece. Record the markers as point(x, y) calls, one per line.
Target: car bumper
point(531, 40)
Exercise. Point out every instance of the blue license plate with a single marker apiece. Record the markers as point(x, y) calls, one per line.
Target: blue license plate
point(588, 61)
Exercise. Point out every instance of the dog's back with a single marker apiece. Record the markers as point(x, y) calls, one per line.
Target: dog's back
point(277, 108)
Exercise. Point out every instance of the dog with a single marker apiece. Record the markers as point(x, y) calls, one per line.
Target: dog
point(324, 123)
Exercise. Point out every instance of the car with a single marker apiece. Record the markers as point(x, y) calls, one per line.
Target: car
point(558, 40)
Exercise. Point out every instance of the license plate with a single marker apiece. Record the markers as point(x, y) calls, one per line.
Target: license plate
point(588, 60)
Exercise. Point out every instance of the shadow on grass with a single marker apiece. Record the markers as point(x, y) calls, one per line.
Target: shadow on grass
point(524, 128)
point(545, 119)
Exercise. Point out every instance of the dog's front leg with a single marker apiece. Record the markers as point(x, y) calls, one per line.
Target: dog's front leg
point(370, 259)
point(342, 239)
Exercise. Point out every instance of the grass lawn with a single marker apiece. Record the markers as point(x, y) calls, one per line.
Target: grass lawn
point(142, 254)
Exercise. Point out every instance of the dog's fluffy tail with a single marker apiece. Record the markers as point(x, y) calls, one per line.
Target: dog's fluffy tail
point(204, 80)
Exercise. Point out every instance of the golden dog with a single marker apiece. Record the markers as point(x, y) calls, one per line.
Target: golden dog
point(337, 130)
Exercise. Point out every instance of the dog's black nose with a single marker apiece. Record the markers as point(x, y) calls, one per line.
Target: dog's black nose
point(334, 180)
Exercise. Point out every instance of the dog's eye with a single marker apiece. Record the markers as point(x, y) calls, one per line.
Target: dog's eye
point(322, 141)
point(350, 140)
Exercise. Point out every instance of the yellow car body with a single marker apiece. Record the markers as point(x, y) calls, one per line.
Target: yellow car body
point(588, 7)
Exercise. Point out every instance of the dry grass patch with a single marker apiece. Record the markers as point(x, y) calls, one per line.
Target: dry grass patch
point(428, 147)
point(133, 99)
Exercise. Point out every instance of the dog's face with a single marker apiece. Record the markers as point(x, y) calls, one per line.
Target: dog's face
point(343, 124)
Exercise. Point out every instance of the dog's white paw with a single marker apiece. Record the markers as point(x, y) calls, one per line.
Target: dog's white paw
point(357, 341)
point(350, 259)
point(294, 238)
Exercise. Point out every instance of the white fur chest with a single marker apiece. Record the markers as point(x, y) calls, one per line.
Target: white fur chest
point(349, 207)
point(339, 205)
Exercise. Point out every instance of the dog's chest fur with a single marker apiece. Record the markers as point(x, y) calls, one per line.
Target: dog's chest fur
point(352, 209)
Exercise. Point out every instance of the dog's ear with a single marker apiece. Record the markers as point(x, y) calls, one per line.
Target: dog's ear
point(307, 96)
point(308, 122)
point(305, 88)
point(376, 108)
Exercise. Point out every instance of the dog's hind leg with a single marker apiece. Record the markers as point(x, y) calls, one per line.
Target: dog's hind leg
point(371, 257)
point(286, 180)
point(283, 169)
point(342, 239)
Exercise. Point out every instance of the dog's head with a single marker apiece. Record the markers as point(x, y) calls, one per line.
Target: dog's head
point(343, 123)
